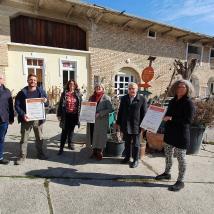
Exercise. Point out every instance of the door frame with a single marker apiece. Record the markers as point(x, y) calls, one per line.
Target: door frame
point(67, 59)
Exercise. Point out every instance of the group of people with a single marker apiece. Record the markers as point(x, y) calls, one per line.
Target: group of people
point(132, 110)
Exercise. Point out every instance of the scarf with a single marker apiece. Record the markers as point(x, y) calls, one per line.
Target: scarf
point(96, 96)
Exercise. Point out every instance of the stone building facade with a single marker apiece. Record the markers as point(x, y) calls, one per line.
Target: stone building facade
point(118, 46)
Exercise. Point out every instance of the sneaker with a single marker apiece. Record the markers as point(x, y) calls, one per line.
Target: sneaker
point(124, 161)
point(177, 186)
point(163, 176)
point(134, 164)
point(4, 161)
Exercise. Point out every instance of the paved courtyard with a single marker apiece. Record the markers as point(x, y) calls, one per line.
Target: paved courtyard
point(73, 183)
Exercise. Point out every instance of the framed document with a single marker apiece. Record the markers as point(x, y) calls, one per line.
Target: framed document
point(35, 109)
point(88, 112)
point(153, 118)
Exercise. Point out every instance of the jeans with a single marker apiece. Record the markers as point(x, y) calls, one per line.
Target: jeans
point(3, 131)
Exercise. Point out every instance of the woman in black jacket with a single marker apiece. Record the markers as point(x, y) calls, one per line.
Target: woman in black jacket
point(177, 130)
point(68, 113)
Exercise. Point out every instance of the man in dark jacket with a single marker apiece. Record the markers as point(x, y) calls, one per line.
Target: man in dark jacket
point(28, 92)
point(132, 109)
point(6, 115)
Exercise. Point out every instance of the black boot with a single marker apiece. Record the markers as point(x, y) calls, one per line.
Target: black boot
point(134, 164)
point(71, 146)
point(163, 176)
point(177, 186)
point(60, 151)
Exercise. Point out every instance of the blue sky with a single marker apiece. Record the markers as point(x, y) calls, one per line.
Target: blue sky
point(194, 15)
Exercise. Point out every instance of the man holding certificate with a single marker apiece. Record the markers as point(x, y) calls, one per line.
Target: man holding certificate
point(29, 105)
point(131, 112)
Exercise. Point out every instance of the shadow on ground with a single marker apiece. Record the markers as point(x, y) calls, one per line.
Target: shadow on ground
point(72, 177)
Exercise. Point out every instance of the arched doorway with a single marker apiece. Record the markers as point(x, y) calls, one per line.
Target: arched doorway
point(123, 78)
point(195, 82)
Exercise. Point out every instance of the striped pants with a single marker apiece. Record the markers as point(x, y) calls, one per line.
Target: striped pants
point(181, 157)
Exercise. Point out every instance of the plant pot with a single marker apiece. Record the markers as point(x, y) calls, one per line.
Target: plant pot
point(196, 139)
point(114, 149)
point(155, 141)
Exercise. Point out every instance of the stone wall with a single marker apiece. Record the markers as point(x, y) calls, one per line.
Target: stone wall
point(113, 47)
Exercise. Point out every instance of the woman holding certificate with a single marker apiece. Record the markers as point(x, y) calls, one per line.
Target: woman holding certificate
point(97, 132)
point(68, 113)
point(177, 130)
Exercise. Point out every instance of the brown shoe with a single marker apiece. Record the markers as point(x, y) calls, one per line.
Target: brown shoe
point(99, 155)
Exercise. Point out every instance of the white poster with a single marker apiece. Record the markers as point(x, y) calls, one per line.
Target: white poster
point(153, 118)
point(35, 109)
point(88, 112)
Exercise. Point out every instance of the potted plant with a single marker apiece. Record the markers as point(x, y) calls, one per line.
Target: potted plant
point(115, 144)
point(203, 118)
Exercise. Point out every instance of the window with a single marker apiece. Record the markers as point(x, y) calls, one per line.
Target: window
point(212, 88)
point(151, 34)
point(193, 49)
point(96, 80)
point(212, 59)
point(212, 53)
point(195, 52)
point(36, 66)
point(121, 83)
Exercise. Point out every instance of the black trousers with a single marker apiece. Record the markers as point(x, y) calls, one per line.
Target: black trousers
point(91, 132)
point(68, 131)
point(132, 140)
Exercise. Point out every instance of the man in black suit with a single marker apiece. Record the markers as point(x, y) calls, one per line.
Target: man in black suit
point(132, 109)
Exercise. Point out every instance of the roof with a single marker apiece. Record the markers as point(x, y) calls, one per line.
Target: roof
point(101, 14)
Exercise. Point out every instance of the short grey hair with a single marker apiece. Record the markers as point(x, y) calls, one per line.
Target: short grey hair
point(187, 83)
point(132, 85)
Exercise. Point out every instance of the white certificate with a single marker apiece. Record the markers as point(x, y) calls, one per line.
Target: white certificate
point(88, 112)
point(35, 109)
point(153, 118)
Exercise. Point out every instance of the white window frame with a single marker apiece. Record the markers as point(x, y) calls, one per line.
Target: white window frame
point(118, 82)
point(198, 46)
point(151, 37)
point(67, 59)
point(25, 66)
